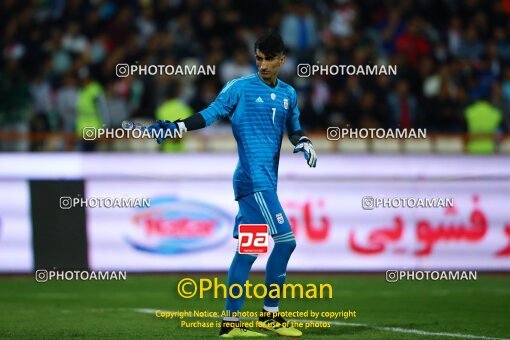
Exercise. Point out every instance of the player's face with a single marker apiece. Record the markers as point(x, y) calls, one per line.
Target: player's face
point(268, 66)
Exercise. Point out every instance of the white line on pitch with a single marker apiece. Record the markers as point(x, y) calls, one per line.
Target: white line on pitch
point(380, 328)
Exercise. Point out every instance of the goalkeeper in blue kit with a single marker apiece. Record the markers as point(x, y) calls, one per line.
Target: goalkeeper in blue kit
point(260, 107)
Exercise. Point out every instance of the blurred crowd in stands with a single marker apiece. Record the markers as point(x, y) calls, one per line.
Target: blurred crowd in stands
point(58, 59)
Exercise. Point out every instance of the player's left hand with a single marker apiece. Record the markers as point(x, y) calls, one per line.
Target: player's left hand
point(160, 128)
point(305, 145)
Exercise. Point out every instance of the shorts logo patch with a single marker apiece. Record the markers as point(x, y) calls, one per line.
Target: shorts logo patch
point(279, 218)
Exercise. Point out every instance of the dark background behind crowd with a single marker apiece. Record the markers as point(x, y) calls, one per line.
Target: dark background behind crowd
point(58, 60)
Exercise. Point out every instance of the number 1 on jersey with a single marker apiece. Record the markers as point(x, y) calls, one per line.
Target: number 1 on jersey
point(274, 112)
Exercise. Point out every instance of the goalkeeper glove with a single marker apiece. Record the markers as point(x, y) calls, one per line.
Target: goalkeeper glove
point(305, 145)
point(164, 128)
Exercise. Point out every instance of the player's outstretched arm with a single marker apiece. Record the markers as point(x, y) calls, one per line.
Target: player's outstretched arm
point(304, 144)
point(164, 128)
point(221, 107)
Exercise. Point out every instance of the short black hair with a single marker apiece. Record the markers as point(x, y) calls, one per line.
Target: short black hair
point(271, 44)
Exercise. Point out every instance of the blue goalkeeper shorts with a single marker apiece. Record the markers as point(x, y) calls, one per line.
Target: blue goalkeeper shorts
point(262, 207)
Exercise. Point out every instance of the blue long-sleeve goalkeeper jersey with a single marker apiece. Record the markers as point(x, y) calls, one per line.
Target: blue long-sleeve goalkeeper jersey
point(259, 115)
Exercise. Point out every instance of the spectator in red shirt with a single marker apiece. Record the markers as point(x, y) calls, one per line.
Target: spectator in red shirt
point(412, 43)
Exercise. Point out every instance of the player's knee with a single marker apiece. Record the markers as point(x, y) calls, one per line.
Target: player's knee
point(288, 246)
point(292, 245)
point(248, 258)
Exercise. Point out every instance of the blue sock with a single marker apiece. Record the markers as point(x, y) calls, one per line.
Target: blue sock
point(238, 273)
point(276, 268)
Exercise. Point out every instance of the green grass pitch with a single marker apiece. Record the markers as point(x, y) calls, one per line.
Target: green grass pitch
point(123, 309)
